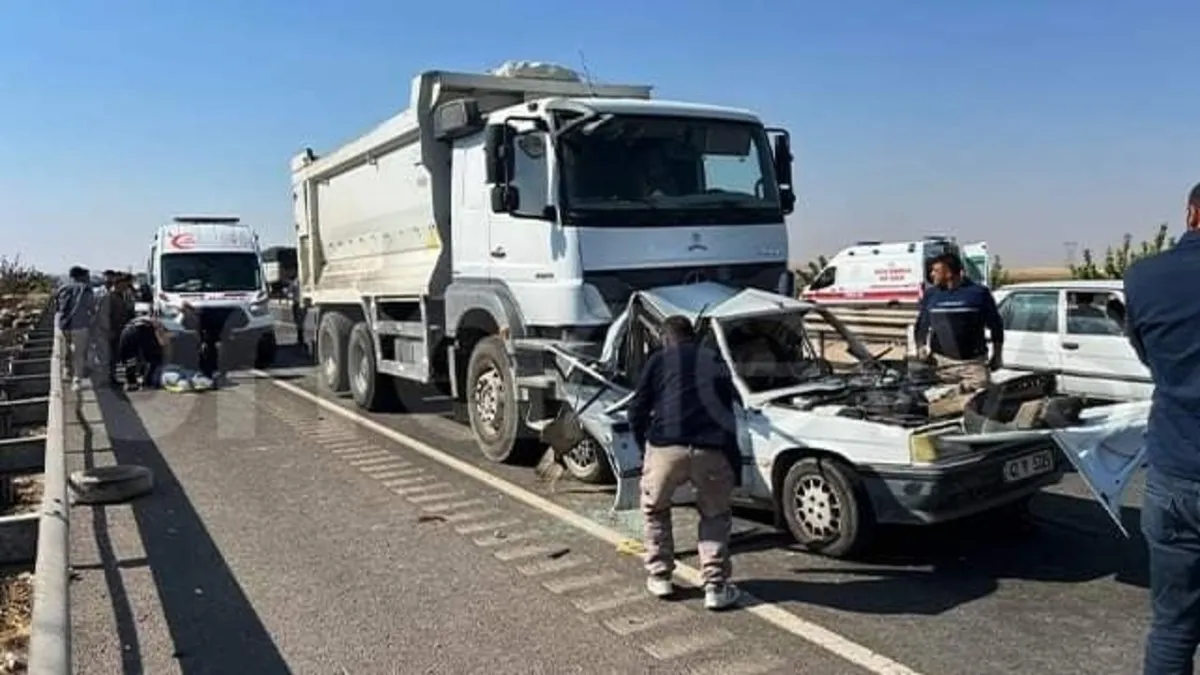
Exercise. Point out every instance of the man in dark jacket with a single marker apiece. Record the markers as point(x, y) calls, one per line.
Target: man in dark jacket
point(1163, 321)
point(116, 309)
point(682, 415)
point(141, 348)
point(74, 304)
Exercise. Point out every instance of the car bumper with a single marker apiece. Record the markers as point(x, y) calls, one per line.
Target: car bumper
point(923, 495)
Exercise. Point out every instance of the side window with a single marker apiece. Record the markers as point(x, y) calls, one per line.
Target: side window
point(1095, 314)
point(1031, 311)
point(530, 175)
point(824, 280)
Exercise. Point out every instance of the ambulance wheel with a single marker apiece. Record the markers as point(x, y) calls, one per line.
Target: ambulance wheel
point(370, 389)
point(825, 508)
point(264, 355)
point(492, 402)
point(333, 338)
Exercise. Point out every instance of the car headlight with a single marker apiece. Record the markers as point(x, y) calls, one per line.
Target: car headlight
point(929, 449)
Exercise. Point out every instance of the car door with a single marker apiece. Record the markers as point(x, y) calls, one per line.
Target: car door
point(1031, 319)
point(1097, 359)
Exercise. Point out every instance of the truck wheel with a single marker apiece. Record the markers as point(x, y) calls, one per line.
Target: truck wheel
point(333, 337)
point(264, 355)
point(492, 400)
point(587, 463)
point(823, 509)
point(369, 388)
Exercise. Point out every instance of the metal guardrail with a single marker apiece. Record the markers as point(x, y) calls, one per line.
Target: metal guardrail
point(32, 387)
point(871, 324)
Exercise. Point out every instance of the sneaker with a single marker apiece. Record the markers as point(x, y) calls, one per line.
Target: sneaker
point(720, 596)
point(660, 585)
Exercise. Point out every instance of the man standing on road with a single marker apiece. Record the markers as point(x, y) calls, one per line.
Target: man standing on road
point(953, 315)
point(74, 302)
point(115, 311)
point(682, 415)
point(1163, 322)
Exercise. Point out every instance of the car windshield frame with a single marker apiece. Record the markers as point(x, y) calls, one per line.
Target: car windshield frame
point(200, 268)
point(647, 162)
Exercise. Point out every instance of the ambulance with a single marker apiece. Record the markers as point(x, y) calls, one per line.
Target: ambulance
point(890, 273)
point(214, 264)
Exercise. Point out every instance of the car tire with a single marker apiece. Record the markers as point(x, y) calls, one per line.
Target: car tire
point(264, 353)
point(825, 507)
point(111, 484)
point(588, 463)
point(370, 389)
point(333, 338)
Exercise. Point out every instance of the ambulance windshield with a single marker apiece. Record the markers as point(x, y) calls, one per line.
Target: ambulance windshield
point(211, 272)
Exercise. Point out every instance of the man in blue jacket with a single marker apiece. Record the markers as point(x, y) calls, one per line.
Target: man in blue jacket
point(1163, 324)
point(953, 316)
point(74, 303)
point(682, 415)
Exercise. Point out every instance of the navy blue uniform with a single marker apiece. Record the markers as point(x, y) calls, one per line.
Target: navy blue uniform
point(1163, 323)
point(685, 397)
point(955, 318)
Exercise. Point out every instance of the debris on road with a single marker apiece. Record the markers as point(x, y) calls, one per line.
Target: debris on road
point(431, 518)
point(16, 613)
point(20, 494)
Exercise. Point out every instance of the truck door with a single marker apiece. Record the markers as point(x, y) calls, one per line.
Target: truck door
point(525, 247)
point(470, 215)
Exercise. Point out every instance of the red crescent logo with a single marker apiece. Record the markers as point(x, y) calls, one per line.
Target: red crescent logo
point(183, 240)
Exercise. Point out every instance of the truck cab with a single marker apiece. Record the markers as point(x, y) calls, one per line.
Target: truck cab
point(505, 212)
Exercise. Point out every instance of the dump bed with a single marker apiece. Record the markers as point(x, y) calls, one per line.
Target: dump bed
point(373, 217)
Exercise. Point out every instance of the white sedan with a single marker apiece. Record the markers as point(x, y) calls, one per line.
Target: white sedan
point(1076, 329)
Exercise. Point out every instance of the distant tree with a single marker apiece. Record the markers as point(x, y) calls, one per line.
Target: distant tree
point(806, 274)
point(1118, 259)
point(17, 278)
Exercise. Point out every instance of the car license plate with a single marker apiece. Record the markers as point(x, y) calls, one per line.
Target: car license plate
point(1028, 465)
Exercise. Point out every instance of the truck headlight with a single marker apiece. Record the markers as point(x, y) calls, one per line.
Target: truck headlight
point(260, 307)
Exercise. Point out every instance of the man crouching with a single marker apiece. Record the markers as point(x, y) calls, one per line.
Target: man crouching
point(141, 346)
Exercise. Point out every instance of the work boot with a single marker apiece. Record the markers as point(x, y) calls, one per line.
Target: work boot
point(720, 596)
point(660, 585)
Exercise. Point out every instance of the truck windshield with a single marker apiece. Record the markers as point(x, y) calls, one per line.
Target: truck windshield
point(669, 170)
point(210, 272)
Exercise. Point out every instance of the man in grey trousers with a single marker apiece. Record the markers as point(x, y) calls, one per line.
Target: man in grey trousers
point(74, 303)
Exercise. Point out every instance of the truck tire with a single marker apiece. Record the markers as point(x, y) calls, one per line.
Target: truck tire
point(264, 354)
point(824, 507)
point(492, 406)
point(333, 338)
point(370, 389)
point(587, 463)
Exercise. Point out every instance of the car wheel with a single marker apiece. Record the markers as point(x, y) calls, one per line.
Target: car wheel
point(587, 462)
point(824, 508)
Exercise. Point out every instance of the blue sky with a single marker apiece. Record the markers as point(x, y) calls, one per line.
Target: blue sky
point(1027, 123)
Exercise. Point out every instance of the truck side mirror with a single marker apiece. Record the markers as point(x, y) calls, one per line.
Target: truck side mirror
point(783, 172)
point(505, 198)
point(498, 149)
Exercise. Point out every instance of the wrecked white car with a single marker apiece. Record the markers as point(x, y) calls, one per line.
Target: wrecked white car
point(835, 449)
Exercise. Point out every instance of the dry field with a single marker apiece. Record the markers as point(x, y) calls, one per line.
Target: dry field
point(1024, 274)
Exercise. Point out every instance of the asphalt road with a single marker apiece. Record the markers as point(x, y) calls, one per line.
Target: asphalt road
point(280, 538)
point(1065, 596)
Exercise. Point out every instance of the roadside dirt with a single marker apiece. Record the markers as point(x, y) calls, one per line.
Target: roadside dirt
point(24, 495)
point(16, 613)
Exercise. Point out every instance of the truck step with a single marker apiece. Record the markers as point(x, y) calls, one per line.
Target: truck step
point(535, 382)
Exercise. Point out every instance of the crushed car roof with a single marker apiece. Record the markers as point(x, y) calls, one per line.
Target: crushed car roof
point(717, 301)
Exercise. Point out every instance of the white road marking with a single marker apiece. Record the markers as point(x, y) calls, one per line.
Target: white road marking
point(407, 481)
point(628, 624)
point(470, 515)
point(493, 525)
point(675, 646)
point(380, 469)
point(528, 551)
point(740, 665)
point(553, 565)
point(502, 538)
point(437, 497)
point(610, 599)
point(455, 506)
point(580, 582)
point(770, 612)
point(398, 473)
point(385, 459)
point(414, 489)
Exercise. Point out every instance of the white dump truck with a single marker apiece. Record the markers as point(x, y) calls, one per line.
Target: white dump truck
point(508, 217)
